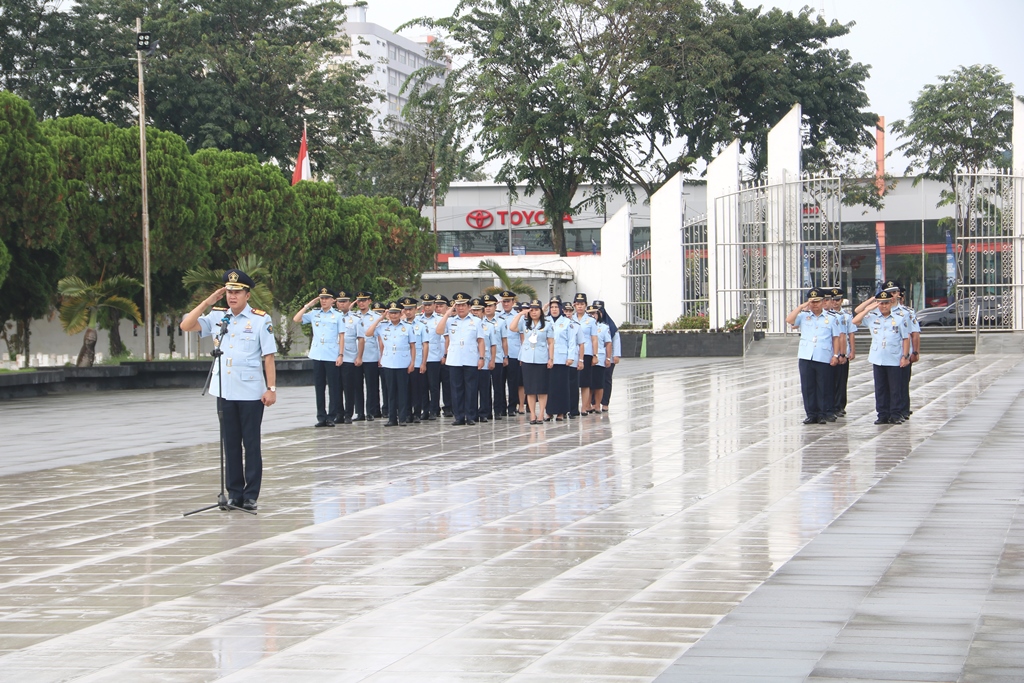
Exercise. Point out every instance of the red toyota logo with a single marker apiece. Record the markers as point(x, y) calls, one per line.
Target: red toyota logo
point(479, 219)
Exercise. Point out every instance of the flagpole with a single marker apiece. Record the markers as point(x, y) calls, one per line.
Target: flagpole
point(147, 305)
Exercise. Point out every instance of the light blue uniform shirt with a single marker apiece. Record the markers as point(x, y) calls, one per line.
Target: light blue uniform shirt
point(463, 334)
point(575, 339)
point(419, 335)
point(496, 324)
point(566, 346)
point(604, 335)
point(588, 329)
point(911, 316)
point(535, 342)
point(490, 334)
point(514, 340)
point(350, 327)
point(436, 341)
point(617, 344)
point(846, 326)
point(816, 332)
point(249, 338)
point(326, 327)
point(371, 351)
point(887, 335)
point(398, 344)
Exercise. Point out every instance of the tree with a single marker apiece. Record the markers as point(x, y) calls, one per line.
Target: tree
point(32, 214)
point(530, 93)
point(203, 282)
point(567, 92)
point(100, 165)
point(516, 286)
point(28, 293)
point(961, 125)
point(257, 213)
point(239, 75)
point(81, 303)
point(407, 248)
point(34, 52)
point(417, 158)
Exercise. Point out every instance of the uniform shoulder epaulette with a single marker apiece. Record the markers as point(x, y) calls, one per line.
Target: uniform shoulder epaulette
point(220, 308)
point(257, 311)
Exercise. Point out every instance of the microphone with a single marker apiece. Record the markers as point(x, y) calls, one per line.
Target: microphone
point(224, 324)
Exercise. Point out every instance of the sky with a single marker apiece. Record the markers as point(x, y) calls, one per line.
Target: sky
point(908, 43)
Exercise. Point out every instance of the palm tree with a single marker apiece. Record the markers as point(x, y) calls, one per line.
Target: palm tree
point(81, 303)
point(205, 281)
point(517, 286)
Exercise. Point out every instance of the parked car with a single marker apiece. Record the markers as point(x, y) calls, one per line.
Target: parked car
point(946, 316)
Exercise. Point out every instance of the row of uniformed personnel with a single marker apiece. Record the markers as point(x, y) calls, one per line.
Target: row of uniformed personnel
point(460, 351)
point(828, 344)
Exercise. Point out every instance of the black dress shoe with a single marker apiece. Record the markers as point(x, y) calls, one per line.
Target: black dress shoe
point(481, 419)
point(896, 420)
point(430, 418)
point(235, 502)
point(905, 416)
point(330, 423)
point(470, 423)
point(404, 423)
point(458, 423)
point(347, 420)
point(571, 416)
point(811, 421)
point(249, 504)
point(391, 423)
point(830, 418)
point(822, 421)
point(499, 416)
point(358, 418)
point(841, 413)
point(415, 419)
point(447, 413)
point(320, 424)
point(881, 421)
point(369, 418)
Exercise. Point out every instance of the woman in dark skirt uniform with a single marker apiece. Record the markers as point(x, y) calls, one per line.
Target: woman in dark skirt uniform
point(566, 352)
point(535, 357)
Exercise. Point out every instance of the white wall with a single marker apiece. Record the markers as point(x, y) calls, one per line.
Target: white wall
point(610, 285)
point(666, 242)
point(723, 272)
point(784, 147)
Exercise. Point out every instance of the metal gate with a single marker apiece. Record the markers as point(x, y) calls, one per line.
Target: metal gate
point(639, 310)
point(774, 241)
point(694, 237)
point(988, 207)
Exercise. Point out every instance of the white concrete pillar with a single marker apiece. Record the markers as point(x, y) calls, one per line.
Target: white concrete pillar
point(1017, 139)
point(785, 255)
point(614, 254)
point(723, 178)
point(666, 242)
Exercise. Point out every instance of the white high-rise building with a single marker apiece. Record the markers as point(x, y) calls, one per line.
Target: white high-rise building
point(393, 57)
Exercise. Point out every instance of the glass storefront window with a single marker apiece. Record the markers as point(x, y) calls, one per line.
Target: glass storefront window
point(530, 241)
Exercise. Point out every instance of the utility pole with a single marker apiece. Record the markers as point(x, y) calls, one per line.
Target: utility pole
point(142, 43)
point(433, 200)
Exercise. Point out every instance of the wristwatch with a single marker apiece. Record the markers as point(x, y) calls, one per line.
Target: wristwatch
point(273, 389)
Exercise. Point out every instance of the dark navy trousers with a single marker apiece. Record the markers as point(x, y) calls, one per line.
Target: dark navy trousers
point(241, 422)
point(817, 386)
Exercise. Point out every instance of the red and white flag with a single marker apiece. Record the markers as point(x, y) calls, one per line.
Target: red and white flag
point(302, 171)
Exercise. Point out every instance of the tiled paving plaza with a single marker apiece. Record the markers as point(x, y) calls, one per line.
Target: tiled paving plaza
point(699, 532)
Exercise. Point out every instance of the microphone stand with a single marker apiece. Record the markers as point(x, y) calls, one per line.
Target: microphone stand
point(222, 499)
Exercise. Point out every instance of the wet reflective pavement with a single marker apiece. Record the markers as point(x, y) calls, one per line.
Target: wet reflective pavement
point(698, 532)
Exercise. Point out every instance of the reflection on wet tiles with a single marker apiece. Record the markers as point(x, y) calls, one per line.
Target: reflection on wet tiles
point(598, 549)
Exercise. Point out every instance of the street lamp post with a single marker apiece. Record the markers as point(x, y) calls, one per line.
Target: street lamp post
point(142, 42)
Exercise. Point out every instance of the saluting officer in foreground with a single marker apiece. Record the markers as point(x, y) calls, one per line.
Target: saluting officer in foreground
point(464, 356)
point(325, 350)
point(247, 388)
point(890, 351)
point(821, 342)
point(393, 338)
